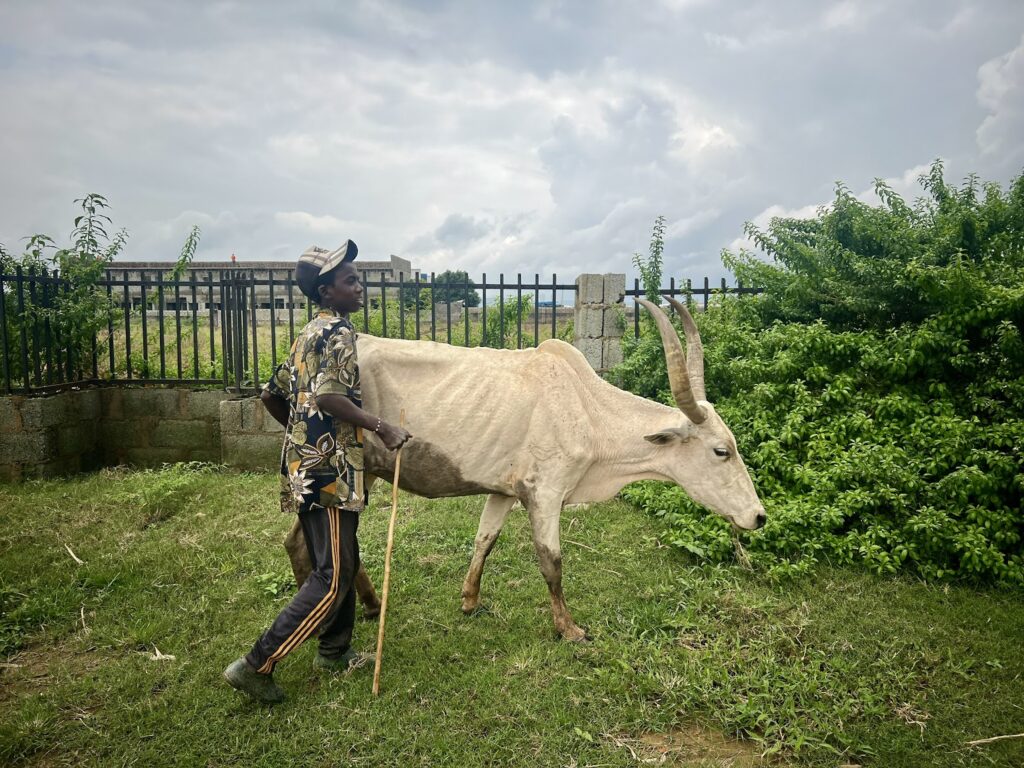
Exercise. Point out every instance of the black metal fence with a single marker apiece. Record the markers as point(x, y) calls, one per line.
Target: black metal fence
point(232, 327)
point(687, 291)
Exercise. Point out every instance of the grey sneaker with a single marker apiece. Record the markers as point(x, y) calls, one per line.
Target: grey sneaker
point(345, 663)
point(244, 678)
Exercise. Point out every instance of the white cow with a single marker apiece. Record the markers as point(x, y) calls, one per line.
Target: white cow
point(541, 427)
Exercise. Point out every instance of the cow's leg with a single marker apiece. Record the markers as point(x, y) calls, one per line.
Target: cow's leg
point(295, 546)
point(544, 520)
point(367, 594)
point(493, 518)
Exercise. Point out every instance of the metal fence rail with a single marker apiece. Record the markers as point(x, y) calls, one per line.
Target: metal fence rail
point(226, 327)
point(231, 327)
point(689, 293)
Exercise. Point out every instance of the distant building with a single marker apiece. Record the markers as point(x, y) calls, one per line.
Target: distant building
point(392, 270)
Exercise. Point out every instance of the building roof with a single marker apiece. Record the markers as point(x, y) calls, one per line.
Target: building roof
point(202, 266)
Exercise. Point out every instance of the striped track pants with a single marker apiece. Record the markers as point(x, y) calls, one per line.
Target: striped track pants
point(326, 601)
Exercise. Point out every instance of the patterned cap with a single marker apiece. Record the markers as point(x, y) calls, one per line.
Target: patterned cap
point(316, 261)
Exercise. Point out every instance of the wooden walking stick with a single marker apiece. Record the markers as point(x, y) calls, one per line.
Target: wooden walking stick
point(387, 566)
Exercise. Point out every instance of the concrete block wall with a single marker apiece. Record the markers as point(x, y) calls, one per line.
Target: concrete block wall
point(82, 430)
point(598, 319)
point(147, 427)
point(249, 436)
point(49, 436)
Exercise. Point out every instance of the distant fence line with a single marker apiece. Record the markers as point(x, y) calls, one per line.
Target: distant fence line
point(222, 317)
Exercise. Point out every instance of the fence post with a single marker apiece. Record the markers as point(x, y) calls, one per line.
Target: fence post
point(599, 319)
point(4, 345)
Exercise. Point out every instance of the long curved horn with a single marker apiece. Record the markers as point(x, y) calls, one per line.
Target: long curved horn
point(694, 349)
point(678, 377)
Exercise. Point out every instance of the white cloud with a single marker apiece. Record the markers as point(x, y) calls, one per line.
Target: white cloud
point(848, 13)
point(320, 225)
point(1001, 92)
point(764, 218)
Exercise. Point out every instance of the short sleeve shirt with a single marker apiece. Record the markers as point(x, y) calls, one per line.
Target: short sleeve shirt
point(322, 457)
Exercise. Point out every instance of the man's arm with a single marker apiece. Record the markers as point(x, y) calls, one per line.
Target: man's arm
point(343, 409)
point(277, 406)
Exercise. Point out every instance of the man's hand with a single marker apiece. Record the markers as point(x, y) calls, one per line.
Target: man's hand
point(393, 437)
point(277, 406)
point(340, 407)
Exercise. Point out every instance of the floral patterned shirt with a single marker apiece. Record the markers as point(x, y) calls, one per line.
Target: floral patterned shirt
point(322, 458)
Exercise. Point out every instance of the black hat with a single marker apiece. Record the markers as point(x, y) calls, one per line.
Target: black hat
point(316, 261)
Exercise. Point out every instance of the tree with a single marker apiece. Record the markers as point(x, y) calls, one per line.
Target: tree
point(455, 285)
point(859, 266)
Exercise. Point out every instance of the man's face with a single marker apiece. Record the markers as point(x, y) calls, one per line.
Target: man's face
point(345, 294)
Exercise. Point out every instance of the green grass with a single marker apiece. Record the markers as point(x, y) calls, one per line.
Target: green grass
point(699, 665)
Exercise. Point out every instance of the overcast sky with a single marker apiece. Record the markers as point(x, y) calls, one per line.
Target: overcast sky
point(503, 136)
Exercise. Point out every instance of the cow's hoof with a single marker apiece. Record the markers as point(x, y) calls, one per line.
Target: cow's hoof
point(470, 605)
point(575, 634)
point(371, 611)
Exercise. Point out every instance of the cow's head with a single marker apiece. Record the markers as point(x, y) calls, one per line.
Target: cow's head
point(701, 453)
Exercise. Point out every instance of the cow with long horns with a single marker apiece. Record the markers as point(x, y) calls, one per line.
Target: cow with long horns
point(539, 426)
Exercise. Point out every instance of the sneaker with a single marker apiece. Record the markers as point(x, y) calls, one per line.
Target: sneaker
point(244, 678)
point(345, 663)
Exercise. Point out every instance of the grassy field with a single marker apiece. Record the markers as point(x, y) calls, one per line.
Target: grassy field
point(116, 660)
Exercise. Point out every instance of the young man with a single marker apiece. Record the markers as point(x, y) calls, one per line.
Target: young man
point(315, 395)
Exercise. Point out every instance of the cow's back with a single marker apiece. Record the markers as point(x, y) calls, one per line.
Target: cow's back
point(477, 415)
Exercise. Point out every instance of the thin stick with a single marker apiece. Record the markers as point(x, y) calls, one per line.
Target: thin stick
point(73, 555)
point(995, 738)
point(387, 566)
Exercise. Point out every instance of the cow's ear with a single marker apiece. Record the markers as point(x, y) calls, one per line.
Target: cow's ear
point(666, 436)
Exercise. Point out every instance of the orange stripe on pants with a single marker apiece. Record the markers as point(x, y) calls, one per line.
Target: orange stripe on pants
point(319, 611)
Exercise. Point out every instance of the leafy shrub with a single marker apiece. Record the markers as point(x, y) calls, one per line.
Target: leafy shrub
point(75, 308)
point(876, 389)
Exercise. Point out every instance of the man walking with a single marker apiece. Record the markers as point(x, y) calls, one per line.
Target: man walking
point(315, 395)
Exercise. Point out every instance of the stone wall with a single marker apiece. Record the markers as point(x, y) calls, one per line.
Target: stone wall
point(598, 320)
point(146, 427)
point(249, 436)
point(82, 430)
point(49, 436)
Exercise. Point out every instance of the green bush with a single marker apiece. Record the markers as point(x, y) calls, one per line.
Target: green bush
point(73, 311)
point(876, 389)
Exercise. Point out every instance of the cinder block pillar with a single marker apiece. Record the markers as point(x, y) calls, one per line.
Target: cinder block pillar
point(598, 322)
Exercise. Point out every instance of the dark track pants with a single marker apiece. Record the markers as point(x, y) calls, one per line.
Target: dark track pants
point(326, 600)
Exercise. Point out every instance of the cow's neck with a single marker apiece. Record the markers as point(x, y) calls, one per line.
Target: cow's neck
point(622, 456)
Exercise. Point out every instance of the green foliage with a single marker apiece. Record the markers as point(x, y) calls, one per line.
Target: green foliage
point(889, 431)
point(858, 266)
point(68, 301)
point(375, 324)
point(643, 368)
point(417, 296)
point(502, 323)
point(650, 267)
point(276, 584)
point(188, 252)
point(73, 309)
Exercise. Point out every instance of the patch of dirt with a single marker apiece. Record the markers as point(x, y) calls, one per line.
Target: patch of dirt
point(692, 746)
point(29, 670)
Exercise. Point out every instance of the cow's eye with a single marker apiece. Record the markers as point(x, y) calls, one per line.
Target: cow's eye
point(723, 452)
